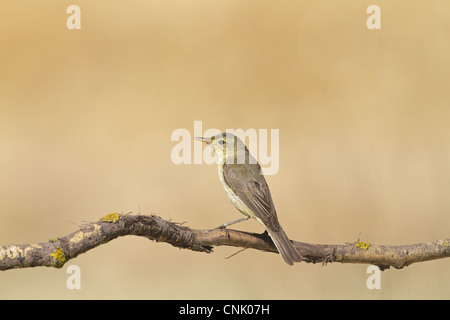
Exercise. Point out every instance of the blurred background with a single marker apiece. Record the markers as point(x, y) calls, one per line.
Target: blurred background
point(86, 118)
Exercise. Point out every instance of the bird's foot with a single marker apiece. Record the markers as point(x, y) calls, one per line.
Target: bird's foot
point(223, 226)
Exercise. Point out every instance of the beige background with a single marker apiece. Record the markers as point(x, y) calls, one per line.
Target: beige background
point(86, 118)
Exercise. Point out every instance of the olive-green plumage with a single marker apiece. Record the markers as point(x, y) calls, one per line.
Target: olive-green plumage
point(244, 184)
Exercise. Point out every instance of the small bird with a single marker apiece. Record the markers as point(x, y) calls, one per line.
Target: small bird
point(243, 181)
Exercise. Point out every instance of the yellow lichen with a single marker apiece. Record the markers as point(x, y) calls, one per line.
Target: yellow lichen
point(446, 243)
point(362, 245)
point(53, 239)
point(112, 217)
point(58, 258)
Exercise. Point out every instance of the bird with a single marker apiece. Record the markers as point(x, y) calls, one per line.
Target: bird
point(242, 179)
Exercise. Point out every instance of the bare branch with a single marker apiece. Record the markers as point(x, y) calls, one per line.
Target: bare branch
point(56, 252)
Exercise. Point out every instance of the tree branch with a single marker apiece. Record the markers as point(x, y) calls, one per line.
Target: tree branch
point(56, 252)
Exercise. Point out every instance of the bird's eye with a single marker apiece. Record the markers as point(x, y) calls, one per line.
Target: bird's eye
point(221, 142)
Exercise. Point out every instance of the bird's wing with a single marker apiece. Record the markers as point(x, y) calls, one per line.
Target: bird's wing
point(251, 187)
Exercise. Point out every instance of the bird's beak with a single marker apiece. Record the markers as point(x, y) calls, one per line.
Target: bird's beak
point(203, 139)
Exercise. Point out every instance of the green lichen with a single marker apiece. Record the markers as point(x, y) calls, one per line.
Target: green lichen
point(58, 258)
point(112, 217)
point(362, 245)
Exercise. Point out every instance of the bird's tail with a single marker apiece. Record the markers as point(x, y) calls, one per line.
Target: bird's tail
point(285, 246)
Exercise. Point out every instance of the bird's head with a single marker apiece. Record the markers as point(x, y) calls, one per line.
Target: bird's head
point(227, 147)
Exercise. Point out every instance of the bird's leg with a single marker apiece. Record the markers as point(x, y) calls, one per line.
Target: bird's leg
point(232, 222)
